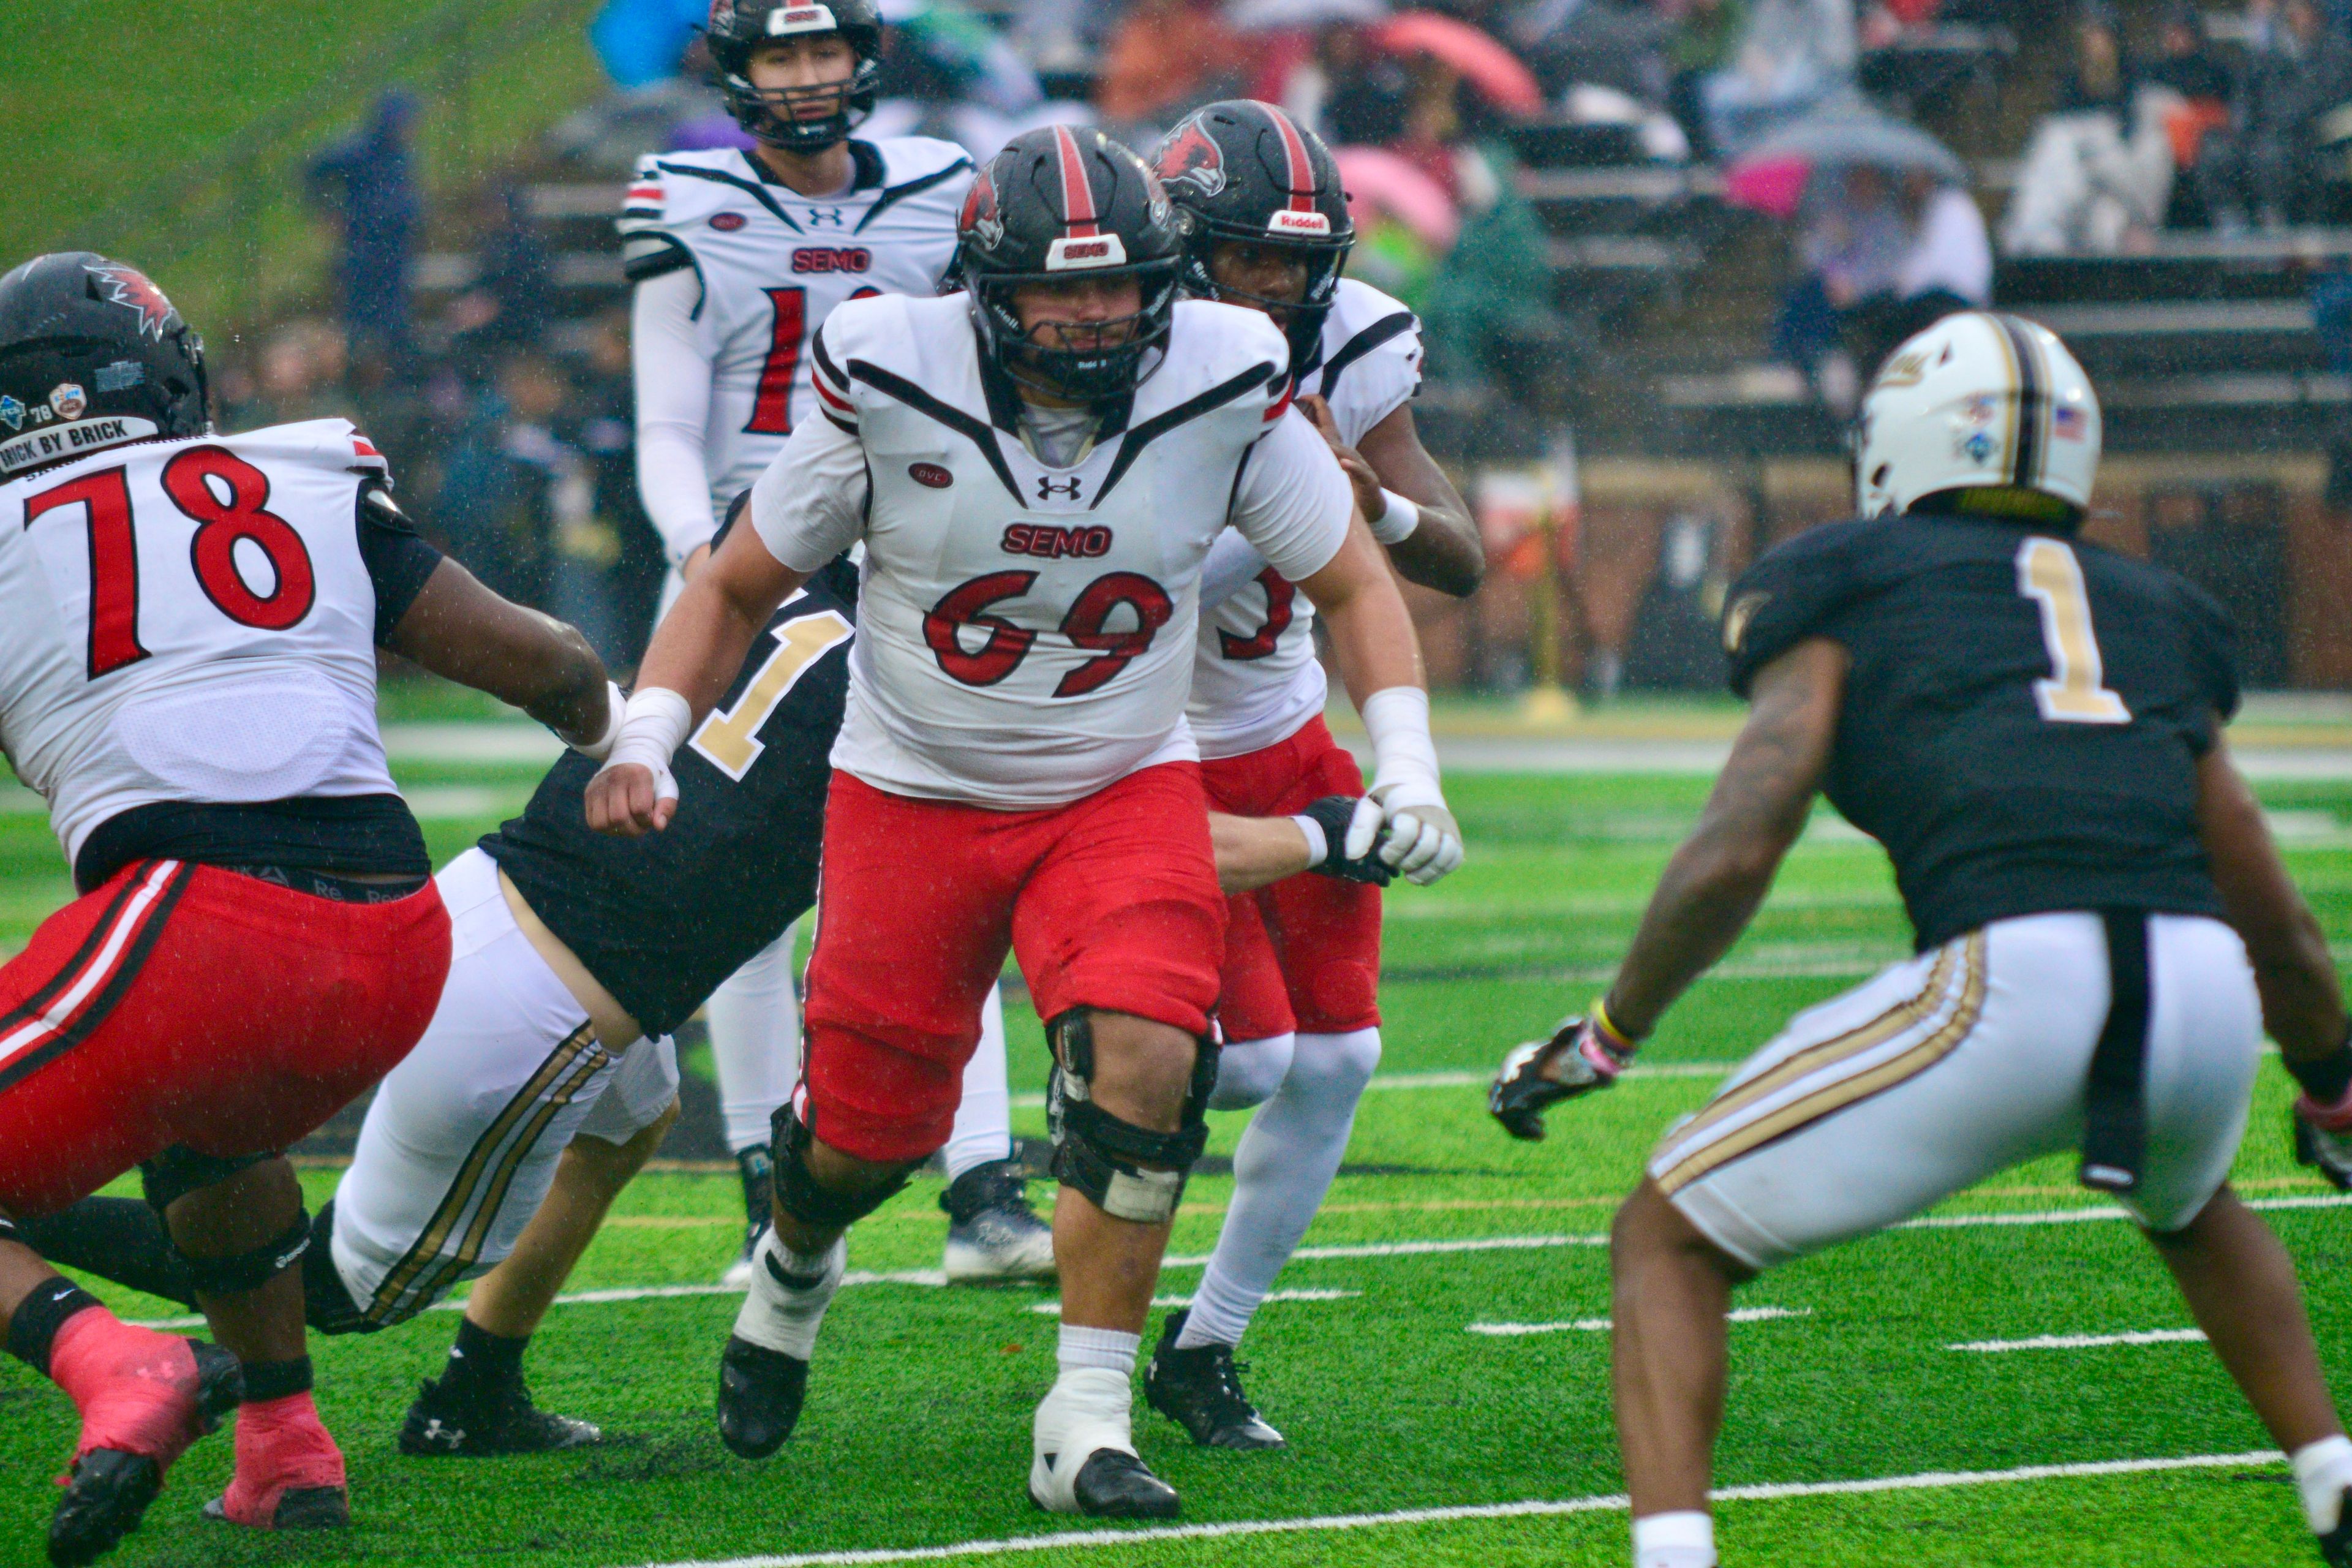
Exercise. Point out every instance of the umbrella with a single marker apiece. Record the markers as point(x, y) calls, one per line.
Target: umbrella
point(1380, 184)
point(1770, 176)
point(1483, 62)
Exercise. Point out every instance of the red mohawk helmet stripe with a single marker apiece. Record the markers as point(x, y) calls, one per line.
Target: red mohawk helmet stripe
point(1077, 194)
point(1301, 181)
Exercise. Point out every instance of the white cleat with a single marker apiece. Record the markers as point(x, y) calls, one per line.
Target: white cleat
point(1081, 1455)
point(992, 1233)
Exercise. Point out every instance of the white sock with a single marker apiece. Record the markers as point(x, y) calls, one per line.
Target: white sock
point(983, 1122)
point(1249, 1071)
point(1288, 1156)
point(2321, 1471)
point(1102, 1349)
point(780, 1316)
point(1674, 1541)
point(755, 1042)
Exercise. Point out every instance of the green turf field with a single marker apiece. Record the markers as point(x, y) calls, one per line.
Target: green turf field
point(1495, 1447)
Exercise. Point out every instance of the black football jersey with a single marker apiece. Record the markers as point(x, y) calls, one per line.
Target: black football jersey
point(663, 918)
point(2022, 718)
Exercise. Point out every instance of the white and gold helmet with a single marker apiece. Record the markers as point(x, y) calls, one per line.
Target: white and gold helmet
point(1987, 409)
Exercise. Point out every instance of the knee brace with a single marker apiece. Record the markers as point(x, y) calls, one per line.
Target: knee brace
point(1130, 1172)
point(796, 1190)
point(252, 1270)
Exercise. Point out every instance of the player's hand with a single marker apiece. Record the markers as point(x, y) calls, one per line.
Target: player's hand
point(1417, 838)
point(1370, 498)
point(630, 799)
point(1580, 1056)
point(1332, 814)
point(2323, 1140)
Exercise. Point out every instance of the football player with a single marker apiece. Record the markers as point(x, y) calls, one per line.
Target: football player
point(1270, 229)
point(1036, 469)
point(2033, 727)
point(188, 678)
point(547, 1077)
point(738, 257)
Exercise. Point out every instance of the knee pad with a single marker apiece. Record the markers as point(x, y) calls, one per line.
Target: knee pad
point(795, 1191)
point(1249, 1071)
point(1130, 1172)
point(180, 1170)
point(249, 1270)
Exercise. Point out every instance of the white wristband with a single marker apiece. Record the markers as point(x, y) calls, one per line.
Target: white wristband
point(600, 746)
point(652, 729)
point(1405, 758)
point(1395, 525)
point(1318, 846)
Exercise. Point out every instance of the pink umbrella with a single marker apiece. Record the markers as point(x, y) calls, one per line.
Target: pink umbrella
point(1380, 184)
point(1774, 186)
point(1483, 62)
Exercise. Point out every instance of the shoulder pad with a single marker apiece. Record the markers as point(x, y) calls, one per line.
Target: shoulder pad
point(1795, 592)
point(905, 158)
point(1211, 344)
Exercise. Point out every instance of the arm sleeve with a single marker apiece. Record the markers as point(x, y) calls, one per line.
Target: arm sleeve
point(1292, 501)
point(673, 372)
point(397, 558)
point(810, 505)
point(1796, 592)
point(1232, 565)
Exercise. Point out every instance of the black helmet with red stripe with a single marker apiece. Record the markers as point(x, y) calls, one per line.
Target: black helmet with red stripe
point(1244, 173)
point(92, 355)
point(782, 116)
point(1060, 206)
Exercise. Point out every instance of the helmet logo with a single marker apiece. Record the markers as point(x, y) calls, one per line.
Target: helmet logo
point(129, 286)
point(1286, 221)
point(1072, 252)
point(12, 413)
point(2068, 423)
point(69, 399)
point(785, 20)
point(1903, 370)
point(1191, 158)
point(1979, 448)
point(121, 376)
point(980, 218)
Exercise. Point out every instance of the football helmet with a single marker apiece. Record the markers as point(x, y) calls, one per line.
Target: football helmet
point(737, 27)
point(92, 355)
point(1059, 205)
point(1243, 172)
point(1983, 412)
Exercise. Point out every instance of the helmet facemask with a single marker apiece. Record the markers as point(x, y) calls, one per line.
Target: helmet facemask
point(767, 113)
point(1087, 361)
point(1301, 319)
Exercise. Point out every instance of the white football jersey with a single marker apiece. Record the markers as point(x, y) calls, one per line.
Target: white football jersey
point(1025, 633)
point(774, 264)
point(1256, 679)
point(191, 621)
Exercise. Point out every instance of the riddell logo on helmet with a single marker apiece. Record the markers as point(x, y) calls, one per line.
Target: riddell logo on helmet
point(799, 20)
point(1069, 254)
point(1289, 221)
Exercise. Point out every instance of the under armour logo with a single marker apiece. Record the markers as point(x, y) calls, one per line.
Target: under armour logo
point(1047, 490)
point(825, 218)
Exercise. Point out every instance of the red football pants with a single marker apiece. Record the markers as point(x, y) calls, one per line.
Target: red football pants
point(1305, 953)
point(185, 1005)
point(1109, 902)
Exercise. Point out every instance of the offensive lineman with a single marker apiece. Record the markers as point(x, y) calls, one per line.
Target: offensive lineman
point(738, 257)
point(189, 680)
point(2033, 727)
point(1036, 469)
point(1270, 229)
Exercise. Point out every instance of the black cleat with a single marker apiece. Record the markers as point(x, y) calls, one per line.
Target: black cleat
point(1116, 1485)
point(468, 1426)
point(109, 1490)
point(759, 1395)
point(992, 1233)
point(299, 1507)
point(1200, 1389)
point(2335, 1546)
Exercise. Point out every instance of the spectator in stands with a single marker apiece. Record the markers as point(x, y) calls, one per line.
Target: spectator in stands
point(2187, 64)
point(300, 376)
point(366, 184)
point(511, 484)
point(1166, 56)
point(1793, 55)
point(601, 425)
point(2097, 174)
point(512, 297)
point(1706, 36)
point(2265, 162)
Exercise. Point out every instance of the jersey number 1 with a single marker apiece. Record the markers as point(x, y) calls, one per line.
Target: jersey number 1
point(223, 525)
point(2049, 573)
point(730, 740)
point(771, 409)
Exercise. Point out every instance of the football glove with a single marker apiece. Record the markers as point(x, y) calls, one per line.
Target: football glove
point(2323, 1140)
point(1581, 1056)
point(1332, 814)
point(1419, 839)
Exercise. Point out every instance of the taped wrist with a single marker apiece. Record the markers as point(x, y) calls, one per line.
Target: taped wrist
point(1404, 757)
point(1130, 1173)
point(1395, 525)
point(652, 729)
point(252, 1270)
point(797, 1193)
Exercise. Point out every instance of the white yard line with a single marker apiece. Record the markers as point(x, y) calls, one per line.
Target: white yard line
point(1603, 1325)
point(2084, 1342)
point(1053, 1309)
point(1080, 1539)
point(1397, 1083)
